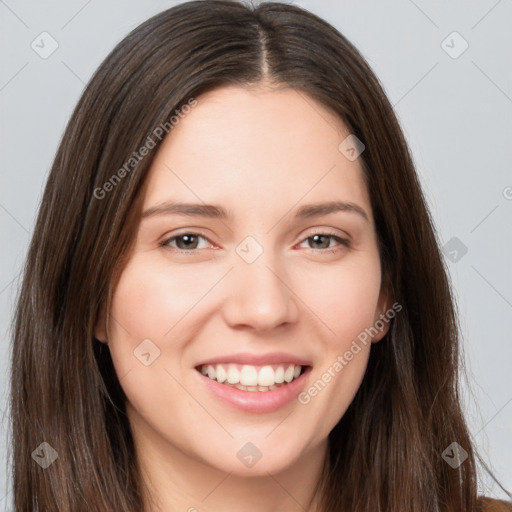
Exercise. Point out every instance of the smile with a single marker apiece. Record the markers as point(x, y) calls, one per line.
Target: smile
point(253, 397)
point(252, 378)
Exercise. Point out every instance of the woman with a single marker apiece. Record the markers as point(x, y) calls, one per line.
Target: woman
point(164, 364)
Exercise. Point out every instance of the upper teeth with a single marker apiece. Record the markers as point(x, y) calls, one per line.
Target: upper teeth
point(249, 375)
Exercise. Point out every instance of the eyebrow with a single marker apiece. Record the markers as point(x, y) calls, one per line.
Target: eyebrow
point(218, 212)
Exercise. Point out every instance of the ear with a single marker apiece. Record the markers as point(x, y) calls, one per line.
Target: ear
point(381, 320)
point(100, 330)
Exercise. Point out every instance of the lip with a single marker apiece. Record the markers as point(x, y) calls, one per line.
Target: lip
point(255, 401)
point(256, 359)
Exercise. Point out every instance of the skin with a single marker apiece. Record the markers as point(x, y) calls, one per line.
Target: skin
point(261, 153)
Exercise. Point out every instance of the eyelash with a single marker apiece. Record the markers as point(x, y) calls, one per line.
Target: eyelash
point(342, 241)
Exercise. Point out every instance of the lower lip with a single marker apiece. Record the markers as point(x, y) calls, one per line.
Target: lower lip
point(256, 401)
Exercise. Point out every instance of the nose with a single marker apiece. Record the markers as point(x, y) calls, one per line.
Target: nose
point(259, 296)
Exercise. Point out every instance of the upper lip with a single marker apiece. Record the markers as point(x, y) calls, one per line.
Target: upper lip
point(256, 359)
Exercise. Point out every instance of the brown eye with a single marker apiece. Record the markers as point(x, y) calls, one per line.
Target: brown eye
point(322, 241)
point(185, 242)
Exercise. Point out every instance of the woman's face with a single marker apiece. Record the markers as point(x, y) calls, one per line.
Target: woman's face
point(252, 285)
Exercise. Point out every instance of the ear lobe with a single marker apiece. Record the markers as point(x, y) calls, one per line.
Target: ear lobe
point(383, 329)
point(100, 330)
point(382, 322)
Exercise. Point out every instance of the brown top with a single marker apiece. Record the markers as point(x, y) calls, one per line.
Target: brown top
point(492, 505)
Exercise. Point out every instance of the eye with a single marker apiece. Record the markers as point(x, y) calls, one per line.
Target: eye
point(189, 242)
point(324, 240)
point(186, 242)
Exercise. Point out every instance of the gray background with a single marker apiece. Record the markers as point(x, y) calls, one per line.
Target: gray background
point(455, 113)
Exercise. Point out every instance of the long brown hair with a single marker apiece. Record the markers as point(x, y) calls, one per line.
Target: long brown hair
point(385, 452)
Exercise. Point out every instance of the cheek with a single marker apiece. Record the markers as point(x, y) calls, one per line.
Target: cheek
point(150, 301)
point(154, 311)
point(147, 303)
point(344, 298)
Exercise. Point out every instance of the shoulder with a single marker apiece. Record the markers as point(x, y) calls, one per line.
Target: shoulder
point(493, 505)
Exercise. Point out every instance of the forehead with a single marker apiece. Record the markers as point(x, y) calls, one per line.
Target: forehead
point(255, 147)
